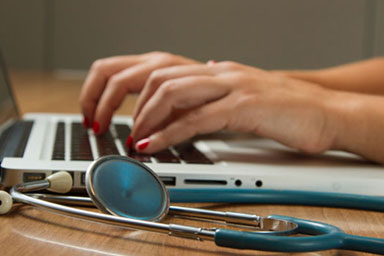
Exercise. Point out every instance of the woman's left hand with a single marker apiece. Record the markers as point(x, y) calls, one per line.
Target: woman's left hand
point(182, 101)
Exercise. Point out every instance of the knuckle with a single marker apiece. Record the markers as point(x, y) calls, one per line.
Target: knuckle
point(155, 53)
point(168, 88)
point(156, 78)
point(230, 65)
point(236, 79)
point(115, 80)
point(118, 83)
point(163, 57)
point(99, 65)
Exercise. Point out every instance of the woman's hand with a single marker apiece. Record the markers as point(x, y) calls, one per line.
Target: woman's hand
point(110, 79)
point(182, 101)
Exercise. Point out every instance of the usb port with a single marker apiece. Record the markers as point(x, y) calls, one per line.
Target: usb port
point(168, 180)
point(33, 176)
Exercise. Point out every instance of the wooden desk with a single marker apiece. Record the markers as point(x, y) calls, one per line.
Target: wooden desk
point(30, 231)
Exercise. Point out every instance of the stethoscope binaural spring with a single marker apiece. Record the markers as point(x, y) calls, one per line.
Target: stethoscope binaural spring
point(137, 199)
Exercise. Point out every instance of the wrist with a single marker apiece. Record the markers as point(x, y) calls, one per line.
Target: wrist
point(319, 77)
point(305, 75)
point(346, 120)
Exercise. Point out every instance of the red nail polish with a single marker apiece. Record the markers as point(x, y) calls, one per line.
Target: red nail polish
point(85, 123)
point(142, 144)
point(96, 127)
point(128, 142)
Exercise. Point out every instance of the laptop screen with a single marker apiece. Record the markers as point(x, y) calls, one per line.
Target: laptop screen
point(8, 109)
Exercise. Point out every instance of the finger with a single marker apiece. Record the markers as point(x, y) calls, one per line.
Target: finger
point(97, 78)
point(161, 75)
point(181, 93)
point(205, 119)
point(115, 91)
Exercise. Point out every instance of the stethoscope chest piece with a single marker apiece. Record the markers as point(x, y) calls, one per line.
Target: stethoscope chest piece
point(125, 187)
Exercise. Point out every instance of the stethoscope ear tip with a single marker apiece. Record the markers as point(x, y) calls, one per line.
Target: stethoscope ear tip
point(60, 182)
point(6, 202)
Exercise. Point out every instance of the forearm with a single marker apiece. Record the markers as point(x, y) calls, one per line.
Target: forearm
point(364, 76)
point(359, 123)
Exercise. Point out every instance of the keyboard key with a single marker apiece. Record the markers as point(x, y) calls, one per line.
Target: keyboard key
point(190, 154)
point(144, 158)
point(106, 144)
point(166, 156)
point(123, 131)
point(80, 147)
point(59, 146)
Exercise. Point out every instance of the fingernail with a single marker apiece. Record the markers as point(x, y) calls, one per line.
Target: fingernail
point(96, 127)
point(142, 144)
point(211, 62)
point(128, 142)
point(85, 123)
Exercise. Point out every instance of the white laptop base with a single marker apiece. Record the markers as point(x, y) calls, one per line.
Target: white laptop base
point(239, 161)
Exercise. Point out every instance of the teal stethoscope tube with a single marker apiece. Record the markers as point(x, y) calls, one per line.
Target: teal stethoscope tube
point(287, 197)
point(323, 237)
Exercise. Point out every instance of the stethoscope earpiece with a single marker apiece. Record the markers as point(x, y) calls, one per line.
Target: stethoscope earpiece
point(6, 202)
point(60, 182)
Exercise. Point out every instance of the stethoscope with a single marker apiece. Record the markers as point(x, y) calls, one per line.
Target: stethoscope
point(131, 195)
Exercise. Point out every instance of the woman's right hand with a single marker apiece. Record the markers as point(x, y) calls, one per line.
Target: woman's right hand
point(110, 79)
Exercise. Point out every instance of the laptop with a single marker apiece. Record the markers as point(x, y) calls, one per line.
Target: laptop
point(38, 144)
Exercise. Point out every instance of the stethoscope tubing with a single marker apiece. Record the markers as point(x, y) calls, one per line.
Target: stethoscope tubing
point(323, 237)
point(328, 236)
point(363, 244)
point(284, 197)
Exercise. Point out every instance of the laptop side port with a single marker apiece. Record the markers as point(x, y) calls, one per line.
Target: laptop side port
point(33, 176)
point(168, 180)
point(82, 179)
point(204, 182)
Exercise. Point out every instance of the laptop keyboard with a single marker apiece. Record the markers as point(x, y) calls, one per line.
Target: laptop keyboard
point(81, 148)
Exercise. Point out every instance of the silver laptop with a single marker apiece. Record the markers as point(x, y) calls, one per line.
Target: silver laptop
point(38, 144)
